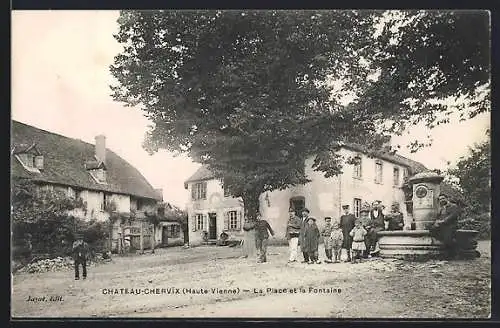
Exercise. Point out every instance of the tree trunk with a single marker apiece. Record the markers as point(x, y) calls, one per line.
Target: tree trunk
point(251, 203)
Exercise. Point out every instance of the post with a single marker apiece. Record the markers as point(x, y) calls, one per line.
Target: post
point(142, 237)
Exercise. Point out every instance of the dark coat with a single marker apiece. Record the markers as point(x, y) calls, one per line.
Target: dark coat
point(303, 225)
point(347, 224)
point(396, 221)
point(80, 251)
point(262, 229)
point(311, 238)
point(446, 226)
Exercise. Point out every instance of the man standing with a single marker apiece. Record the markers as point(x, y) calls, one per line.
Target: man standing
point(80, 254)
point(262, 230)
point(303, 226)
point(347, 224)
point(292, 234)
point(445, 227)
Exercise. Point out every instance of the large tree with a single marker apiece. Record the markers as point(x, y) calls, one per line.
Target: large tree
point(250, 93)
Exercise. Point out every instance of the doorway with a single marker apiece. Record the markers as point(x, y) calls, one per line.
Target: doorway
point(298, 204)
point(212, 226)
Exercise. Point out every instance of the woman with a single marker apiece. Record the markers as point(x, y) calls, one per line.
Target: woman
point(248, 248)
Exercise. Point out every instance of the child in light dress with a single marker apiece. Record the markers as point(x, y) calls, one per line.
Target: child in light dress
point(337, 238)
point(358, 235)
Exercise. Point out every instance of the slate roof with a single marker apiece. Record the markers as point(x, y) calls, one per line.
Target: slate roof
point(65, 159)
point(204, 174)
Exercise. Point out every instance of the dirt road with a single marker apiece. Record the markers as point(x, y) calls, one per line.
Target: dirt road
point(214, 282)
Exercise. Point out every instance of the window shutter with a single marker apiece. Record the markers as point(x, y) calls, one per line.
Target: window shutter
point(193, 191)
point(205, 221)
point(226, 220)
point(193, 222)
point(238, 221)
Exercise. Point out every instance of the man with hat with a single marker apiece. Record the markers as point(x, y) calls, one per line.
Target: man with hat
point(347, 221)
point(303, 226)
point(445, 227)
point(262, 231)
point(80, 253)
point(376, 224)
point(394, 220)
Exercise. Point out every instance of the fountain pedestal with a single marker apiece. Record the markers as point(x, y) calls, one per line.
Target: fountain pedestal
point(418, 244)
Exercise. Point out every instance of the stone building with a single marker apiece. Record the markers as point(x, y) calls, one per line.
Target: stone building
point(211, 209)
point(81, 170)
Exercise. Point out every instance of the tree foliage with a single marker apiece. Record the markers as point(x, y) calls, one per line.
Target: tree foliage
point(252, 94)
point(474, 176)
point(42, 218)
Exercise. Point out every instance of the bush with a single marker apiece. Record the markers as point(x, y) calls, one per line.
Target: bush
point(480, 222)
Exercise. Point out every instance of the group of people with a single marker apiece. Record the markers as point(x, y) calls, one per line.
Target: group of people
point(357, 236)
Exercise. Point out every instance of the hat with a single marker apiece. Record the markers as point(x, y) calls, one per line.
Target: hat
point(305, 210)
point(78, 236)
point(345, 206)
point(328, 218)
point(311, 218)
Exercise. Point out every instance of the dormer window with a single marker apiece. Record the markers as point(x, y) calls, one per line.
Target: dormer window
point(97, 171)
point(29, 156)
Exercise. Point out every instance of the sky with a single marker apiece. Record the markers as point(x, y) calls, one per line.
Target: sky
point(60, 83)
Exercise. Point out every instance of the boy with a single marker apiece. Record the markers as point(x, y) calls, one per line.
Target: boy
point(337, 238)
point(327, 241)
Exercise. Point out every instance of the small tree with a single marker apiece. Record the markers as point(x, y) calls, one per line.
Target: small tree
point(42, 214)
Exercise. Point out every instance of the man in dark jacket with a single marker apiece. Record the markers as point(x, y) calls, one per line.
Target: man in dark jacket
point(394, 220)
point(292, 234)
point(347, 224)
point(376, 225)
point(445, 227)
point(303, 225)
point(262, 230)
point(80, 252)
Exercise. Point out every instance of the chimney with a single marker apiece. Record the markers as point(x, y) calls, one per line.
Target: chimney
point(100, 148)
point(159, 192)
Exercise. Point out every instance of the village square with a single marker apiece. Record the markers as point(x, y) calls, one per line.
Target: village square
point(251, 164)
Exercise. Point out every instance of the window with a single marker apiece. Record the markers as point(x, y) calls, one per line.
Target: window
point(140, 204)
point(378, 172)
point(298, 203)
point(103, 202)
point(198, 221)
point(173, 231)
point(357, 207)
point(199, 191)
point(233, 220)
point(227, 192)
point(395, 176)
point(357, 167)
point(405, 174)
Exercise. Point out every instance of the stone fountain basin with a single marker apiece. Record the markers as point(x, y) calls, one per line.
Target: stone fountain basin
point(416, 244)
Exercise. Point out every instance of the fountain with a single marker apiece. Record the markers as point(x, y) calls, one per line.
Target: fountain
point(418, 244)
